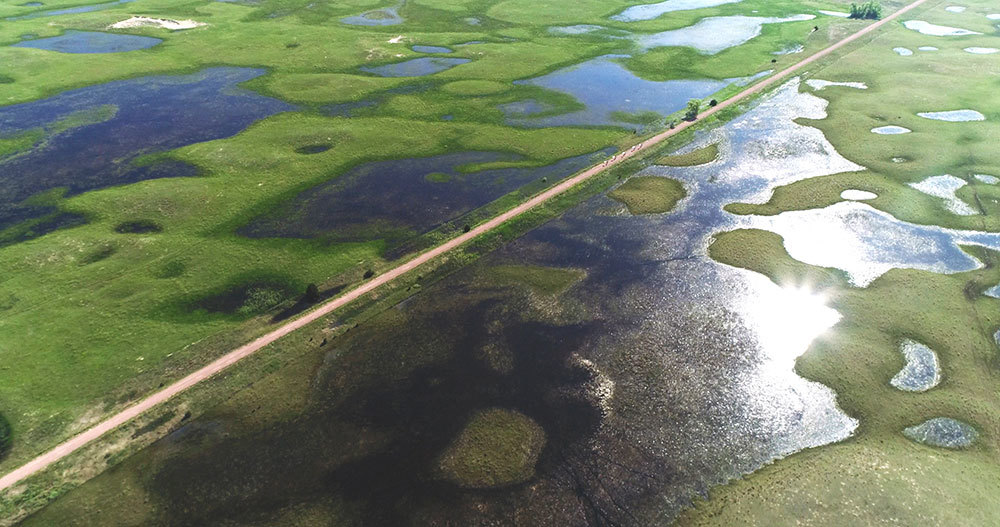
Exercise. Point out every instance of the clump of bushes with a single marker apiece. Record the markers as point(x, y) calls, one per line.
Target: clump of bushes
point(247, 296)
point(869, 10)
point(260, 299)
point(312, 294)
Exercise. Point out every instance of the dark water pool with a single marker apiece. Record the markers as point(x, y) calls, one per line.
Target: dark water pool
point(139, 116)
point(90, 42)
point(398, 199)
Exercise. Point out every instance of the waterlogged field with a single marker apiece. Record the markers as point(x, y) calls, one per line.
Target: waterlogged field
point(925, 450)
point(610, 366)
point(171, 184)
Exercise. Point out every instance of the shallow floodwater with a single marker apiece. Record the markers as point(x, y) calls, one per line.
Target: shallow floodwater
point(921, 371)
point(954, 116)
point(981, 51)
point(942, 432)
point(714, 34)
point(891, 130)
point(136, 117)
point(70, 10)
point(388, 16)
point(838, 14)
point(819, 84)
point(431, 49)
point(651, 11)
point(955, 9)
point(866, 242)
point(90, 42)
point(656, 375)
point(944, 187)
point(904, 52)
point(396, 200)
point(927, 48)
point(415, 67)
point(609, 90)
point(986, 178)
point(848, 235)
point(935, 30)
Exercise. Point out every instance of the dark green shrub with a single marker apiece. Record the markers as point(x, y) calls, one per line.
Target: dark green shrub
point(694, 105)
point(869, 10)
point(312, 294)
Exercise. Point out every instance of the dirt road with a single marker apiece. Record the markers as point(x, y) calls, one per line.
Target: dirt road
point(234, 356)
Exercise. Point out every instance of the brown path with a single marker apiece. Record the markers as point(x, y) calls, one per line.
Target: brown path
point(78, 441)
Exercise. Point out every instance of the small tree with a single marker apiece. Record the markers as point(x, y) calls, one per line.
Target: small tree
point(712, 103)
point(369, 273)
point(312, 294)
point(692, 110)
point(467, 228)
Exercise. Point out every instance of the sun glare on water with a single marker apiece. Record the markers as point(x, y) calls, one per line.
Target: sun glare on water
point(787, 320)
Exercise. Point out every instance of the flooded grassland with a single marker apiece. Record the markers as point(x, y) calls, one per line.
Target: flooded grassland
point(157, 204)
point(332, 147)
point(914, 357)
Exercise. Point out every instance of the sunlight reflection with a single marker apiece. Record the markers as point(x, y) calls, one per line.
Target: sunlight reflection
point(786, 320)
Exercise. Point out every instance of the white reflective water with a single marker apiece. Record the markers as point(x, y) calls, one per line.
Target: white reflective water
point(986, 178)
point(857, 195)
point(981, 51)
point(714, 34)
point(954, 116)
point(891, 130)
point(819, 84)
point(935, 30)
point(927, 48)
point(955, 9)
point(944, 187)
point(651, 11)
point(921, 371)
point(839, 14)
point(903, 51)
point(866, 242)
